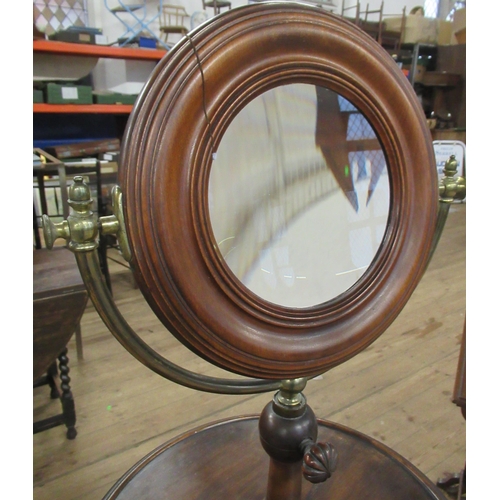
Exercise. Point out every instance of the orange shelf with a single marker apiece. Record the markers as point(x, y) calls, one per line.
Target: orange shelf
point(88, 50)
point(114, 109)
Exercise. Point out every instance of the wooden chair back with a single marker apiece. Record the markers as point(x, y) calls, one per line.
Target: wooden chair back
point(172, 20)
point(217, 5)
point(357, 8)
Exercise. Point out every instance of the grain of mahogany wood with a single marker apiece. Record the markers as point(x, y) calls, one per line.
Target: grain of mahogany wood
point(398, 390)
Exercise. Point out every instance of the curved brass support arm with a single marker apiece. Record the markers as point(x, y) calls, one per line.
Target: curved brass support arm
point(451, 188)
point(88, 263)
point(80, 230)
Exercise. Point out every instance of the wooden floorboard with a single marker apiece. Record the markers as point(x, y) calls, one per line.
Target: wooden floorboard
point(398, 390)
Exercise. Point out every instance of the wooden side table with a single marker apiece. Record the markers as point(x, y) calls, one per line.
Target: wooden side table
point(226, 460)
point(59, 300)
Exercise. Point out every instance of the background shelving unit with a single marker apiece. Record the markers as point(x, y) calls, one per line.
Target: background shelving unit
point(82, 49)
point(118, 109)
point(58, 124)
point(86, 50)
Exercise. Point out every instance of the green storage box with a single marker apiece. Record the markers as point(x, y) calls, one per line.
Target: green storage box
point(114, 98)
point(37, 95)
point(68, 94)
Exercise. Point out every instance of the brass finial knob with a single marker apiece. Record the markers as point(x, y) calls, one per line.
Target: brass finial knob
point(79, 196)
point(451, 188)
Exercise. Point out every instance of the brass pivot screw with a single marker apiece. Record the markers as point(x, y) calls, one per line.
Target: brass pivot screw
point(289, 400)
point(80, 230)
point(450, 187)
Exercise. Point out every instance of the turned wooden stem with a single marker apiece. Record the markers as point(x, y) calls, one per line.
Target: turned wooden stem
point(288, 430)
point(285, 423)
point(281, 436)
point(284, 480)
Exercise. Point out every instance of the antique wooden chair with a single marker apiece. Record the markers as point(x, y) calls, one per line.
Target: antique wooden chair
point(242, 242)
point(172, 19)
point(216, 5)
point(370, 21)
point(392, 39)
point(347, 12)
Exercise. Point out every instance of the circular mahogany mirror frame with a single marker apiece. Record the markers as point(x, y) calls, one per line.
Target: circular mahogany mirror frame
point(177, 123)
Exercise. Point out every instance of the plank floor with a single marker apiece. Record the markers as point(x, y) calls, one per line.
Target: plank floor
point(398, 390)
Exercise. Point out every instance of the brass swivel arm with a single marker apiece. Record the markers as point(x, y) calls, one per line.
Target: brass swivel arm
point(451, 188)
point(81, 231)
point(292, 449)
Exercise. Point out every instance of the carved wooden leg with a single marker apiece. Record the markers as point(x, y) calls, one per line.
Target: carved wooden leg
point(68, 404)
point(449, 483)
point(454, 485)
point(461, 486)
point(79, 343)
point(51, 380)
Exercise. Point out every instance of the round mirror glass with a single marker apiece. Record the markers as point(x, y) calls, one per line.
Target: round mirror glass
point(299, 195)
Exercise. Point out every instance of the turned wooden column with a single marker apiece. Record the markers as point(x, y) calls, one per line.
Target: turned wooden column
point(288, 431)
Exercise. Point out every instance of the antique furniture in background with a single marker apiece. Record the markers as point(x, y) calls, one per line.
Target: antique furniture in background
point(276, 236)
point(45, 164)
point(59, 300)
point(172, 21)
point(217, 5)
point(136, 20)
point(372, 22)
point(55, 167)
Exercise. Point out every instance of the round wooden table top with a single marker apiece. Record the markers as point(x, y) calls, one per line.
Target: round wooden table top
point(225, 460)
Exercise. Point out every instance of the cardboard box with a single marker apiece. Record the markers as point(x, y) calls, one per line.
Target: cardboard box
point(445, 32)
point(459, 37)
point(418, 29)
point(459, 18)
point(110, 156)
point(109, 167)
point(419, 73)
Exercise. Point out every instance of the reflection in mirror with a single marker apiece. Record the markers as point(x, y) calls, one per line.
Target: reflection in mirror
point(299, 195)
